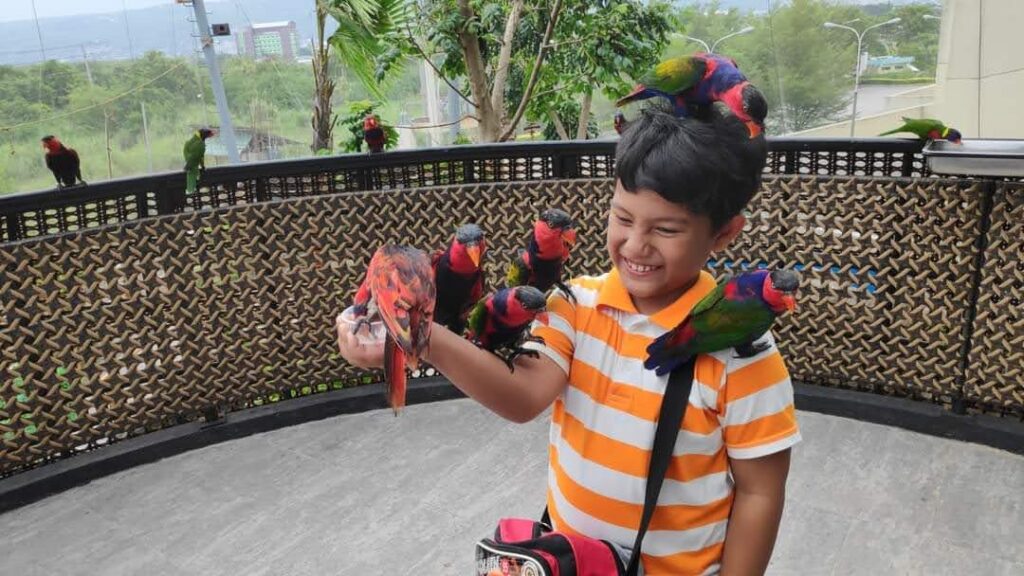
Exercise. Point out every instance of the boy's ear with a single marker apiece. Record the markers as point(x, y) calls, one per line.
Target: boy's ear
point(728, 232)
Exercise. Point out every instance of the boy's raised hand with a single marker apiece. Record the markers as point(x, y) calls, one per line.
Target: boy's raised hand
point(355, 352)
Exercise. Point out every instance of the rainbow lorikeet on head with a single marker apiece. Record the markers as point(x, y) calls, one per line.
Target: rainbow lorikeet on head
point(698, 80)
point(195, 157)
point(373, 134)
point(63, 162)
point(399, 286)
point(501, 320)
point(540, 265)
point(927, 129)
point(733, 315)
point(460, 277)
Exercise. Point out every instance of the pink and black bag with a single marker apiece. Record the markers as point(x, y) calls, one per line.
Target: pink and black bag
point(522, 547)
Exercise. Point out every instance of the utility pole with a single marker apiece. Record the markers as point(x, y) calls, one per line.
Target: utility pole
point(145, 134)
point(227, 131)
point(88, 71)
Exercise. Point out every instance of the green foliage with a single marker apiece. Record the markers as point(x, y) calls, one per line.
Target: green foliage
point(352, 126)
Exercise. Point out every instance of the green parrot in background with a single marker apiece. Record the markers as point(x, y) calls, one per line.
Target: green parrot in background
point(733, 315)
point(195, 157)
point(927, 129)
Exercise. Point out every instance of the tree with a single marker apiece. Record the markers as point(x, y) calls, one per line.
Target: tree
point(363, 26)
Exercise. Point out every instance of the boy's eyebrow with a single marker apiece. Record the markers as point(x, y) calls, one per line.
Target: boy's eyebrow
point(681, 219)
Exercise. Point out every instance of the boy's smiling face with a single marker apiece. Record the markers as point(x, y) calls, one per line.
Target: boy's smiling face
point(660, 247)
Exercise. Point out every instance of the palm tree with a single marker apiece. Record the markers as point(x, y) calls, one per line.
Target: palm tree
point(359, 40)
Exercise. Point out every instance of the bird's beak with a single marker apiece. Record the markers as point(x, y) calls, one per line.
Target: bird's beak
point(789, 301)
point(474, 254)
point(753, 129)
point(543, 318)
point(569, 237)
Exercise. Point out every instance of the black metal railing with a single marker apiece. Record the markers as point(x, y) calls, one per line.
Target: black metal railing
point(41, 213)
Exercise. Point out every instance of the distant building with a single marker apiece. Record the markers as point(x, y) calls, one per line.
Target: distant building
point(890, 64)
point(253, 146)
point(269, 40)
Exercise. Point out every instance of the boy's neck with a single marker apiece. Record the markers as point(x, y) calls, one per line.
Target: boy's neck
point(650, 307)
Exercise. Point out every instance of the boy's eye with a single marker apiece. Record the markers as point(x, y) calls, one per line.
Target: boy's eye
point(662, 230)
point(623, 219)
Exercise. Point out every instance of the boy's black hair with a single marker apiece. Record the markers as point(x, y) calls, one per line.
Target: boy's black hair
point(707, 164)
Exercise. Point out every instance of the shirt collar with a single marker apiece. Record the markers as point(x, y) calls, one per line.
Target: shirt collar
point(613, 294)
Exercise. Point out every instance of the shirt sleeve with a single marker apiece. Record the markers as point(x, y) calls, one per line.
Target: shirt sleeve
point(755, 405)
point(559, 334)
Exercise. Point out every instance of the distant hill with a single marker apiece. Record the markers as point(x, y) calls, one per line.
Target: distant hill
point(165, 28)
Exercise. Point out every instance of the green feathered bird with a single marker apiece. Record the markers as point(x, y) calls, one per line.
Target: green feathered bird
point(927, 129)
point(195, 157)
point(733, 315)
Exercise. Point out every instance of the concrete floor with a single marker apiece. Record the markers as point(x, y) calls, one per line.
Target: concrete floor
point(371, 494)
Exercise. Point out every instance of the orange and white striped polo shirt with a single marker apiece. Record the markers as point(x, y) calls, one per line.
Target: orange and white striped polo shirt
point(602, 426)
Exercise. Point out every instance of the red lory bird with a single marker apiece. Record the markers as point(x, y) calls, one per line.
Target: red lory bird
point(501, 320)
point(399, 286)
point(63, 162)
point(541, 263)
point(733, 315)
point(460, 277)
point(373, 134)
point(699, 80)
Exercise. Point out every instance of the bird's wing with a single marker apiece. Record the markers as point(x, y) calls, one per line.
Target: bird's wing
point(676, 74)
point(711, 299)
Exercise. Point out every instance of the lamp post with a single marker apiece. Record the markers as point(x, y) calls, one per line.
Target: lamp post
point(711, 49)
point(856, 72)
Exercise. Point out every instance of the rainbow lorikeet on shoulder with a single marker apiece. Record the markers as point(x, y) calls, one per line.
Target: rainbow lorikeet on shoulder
point(460, 277)
point(399, 286)
point(541, 263)
point(195, 157)
point(927, 129)
point(373, 134)
point(698, 80)
point(63, 162)
point(733, 315)
point(502, 319)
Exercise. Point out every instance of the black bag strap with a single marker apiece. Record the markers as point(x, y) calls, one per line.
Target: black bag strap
point(670, 418)
point(673, 406)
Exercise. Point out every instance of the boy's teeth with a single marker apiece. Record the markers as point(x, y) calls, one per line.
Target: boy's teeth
point(638, 268)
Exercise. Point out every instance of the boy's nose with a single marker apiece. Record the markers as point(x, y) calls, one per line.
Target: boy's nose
point(636, 245)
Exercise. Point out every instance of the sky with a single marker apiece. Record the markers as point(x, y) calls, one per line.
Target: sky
point(22, 9)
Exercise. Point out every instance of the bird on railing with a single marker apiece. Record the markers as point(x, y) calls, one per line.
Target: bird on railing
point(195, 157)
point(502, 319)
point(927, 129)
point(63, 162)
point(736, 314)
point(698, 80)
point(374, 134)
point(399, 286)
point(541, 263)
point(460, 276)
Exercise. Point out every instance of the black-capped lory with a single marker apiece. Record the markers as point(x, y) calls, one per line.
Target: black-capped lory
point(195, 157)
point(373, 134)
point(399, 286)
point(733, 315)
point(502, 319)
point(927, 129)
point(63, 162)
point(542, 262)
point(460, 277)
point(699, 80)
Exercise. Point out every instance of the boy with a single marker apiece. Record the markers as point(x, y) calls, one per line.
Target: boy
point(682, 184)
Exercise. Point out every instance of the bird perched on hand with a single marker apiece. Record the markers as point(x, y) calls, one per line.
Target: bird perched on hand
point(399, 286)
point(698, 80)
point(63, 162)
point(541, 263)
point(927, 129)
point(195, 157)
point(733, 315)
point(373, 134)
point(501, 320)
point(460, 277)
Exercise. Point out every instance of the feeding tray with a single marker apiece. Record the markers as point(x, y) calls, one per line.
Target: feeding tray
point(976, 157)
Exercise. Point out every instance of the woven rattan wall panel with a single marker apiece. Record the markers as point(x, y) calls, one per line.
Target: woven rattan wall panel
point(887, 267)
point(120, 330)
point(995, 370)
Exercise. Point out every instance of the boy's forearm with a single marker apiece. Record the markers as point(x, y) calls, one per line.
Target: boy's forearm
point(750, 538)
point(485, 378)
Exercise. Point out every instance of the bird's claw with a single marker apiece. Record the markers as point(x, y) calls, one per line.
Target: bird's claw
point(751, 349)
point(567, 291)
point(516, 353)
